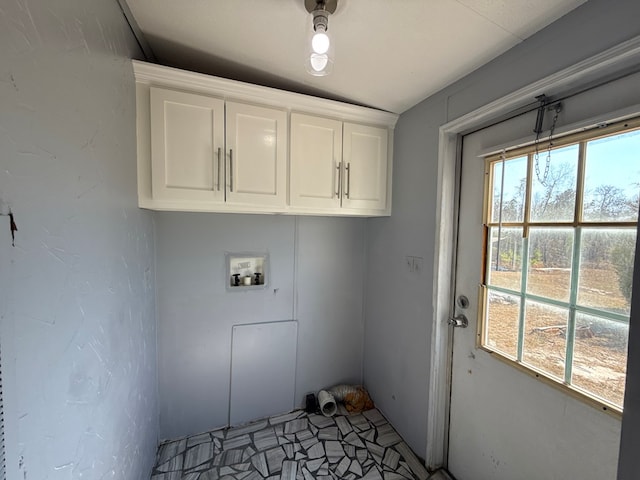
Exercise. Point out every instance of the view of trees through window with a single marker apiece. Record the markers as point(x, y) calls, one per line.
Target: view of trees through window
point(561, 234)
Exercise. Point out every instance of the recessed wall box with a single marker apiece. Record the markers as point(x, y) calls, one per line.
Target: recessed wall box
point(247, 271)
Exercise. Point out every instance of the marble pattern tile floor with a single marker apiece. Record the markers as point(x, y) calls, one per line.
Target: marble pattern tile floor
point(293, 446)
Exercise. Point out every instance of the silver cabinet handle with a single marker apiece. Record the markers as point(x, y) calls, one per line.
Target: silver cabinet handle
point(339, 184)
point(348, 191)
point(219, 162)
point(231, 169)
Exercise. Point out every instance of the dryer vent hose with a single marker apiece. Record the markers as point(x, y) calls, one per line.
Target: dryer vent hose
point(356, 399)
point(327, 402)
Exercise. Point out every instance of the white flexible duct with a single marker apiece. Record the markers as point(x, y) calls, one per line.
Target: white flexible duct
point(341, 391)
point(328, 398)
point(327, 403)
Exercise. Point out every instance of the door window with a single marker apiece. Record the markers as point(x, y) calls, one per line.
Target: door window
point(560, 233)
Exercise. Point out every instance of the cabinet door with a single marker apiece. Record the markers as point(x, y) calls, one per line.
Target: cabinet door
point(256, 140)
point(187, 149)
point(365, 167)
point(316, 151)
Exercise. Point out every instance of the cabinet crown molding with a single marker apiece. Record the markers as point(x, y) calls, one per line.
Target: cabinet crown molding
point(158, 75)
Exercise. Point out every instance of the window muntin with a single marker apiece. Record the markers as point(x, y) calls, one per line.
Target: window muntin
point(559, 255)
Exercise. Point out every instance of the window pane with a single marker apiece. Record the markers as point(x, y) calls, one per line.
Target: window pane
point(502, 315)
point(600, 357)
point(554, 195)
point(612, 178)
point(505, 256)
point(515, 183)
point(543, 278)
point(606, 269)
point(550, 254)
point(545, 338)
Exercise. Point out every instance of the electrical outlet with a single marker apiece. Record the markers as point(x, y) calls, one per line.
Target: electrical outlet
point(417, 264)
point(409, 262)
point(414, 264)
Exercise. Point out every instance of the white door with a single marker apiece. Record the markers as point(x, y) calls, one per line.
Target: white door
point(316, 153)
point(187, 146)
point(256, 144)
point(364, 167)
point(506, 424)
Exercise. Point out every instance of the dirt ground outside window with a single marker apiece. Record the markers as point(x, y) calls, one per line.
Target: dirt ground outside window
point(600, 347)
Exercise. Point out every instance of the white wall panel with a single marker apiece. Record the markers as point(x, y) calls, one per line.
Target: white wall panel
point(263, 370)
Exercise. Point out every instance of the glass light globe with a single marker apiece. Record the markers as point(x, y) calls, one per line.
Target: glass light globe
point(318, 61)
point(320, 42)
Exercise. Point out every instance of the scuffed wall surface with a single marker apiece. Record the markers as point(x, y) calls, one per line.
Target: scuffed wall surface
point(78, 315)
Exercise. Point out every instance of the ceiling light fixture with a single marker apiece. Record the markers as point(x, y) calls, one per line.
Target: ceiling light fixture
point(319, 61)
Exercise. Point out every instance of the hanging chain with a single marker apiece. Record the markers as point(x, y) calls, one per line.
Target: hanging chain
point(503, 158)
point(543, 179)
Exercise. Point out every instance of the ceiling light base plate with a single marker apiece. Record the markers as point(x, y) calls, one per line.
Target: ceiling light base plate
point(329, 5)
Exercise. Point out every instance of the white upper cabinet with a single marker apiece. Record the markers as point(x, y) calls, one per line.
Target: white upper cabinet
point(187, 146)
point(205, 151)
point(214, 145)
point(336, 165)
point(364, 158)
point(256, 141)
point(316, 153)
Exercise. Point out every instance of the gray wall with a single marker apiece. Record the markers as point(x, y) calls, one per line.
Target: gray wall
point(399, 307)
point(77, 303)
point(317, 267)
point(629, 460)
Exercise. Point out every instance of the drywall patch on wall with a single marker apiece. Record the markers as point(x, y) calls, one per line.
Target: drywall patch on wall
point(79, 302)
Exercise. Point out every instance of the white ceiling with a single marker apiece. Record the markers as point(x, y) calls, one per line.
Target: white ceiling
point(389, 54)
